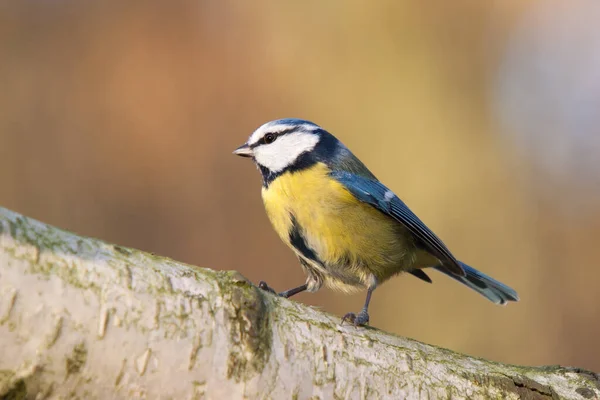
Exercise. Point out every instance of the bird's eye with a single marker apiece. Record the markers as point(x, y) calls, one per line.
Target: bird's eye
point(270, 138)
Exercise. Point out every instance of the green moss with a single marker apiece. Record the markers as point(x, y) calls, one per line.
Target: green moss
point(12, 227)
point(11, 389)
point(520, 385)
point(121, 373)
point(75, 362)
point(55, 333)
point(43, 237)
point(251, 335)
point(338, 396)
point(123, 250)
point(585, 392)
point(196, 346)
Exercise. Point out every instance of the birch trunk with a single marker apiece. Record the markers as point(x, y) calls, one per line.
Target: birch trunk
point(80, 318)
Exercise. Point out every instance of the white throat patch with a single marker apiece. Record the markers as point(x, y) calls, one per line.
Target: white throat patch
point(285, 150)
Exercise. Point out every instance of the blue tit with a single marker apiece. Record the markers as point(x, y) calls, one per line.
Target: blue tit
point(348, 230)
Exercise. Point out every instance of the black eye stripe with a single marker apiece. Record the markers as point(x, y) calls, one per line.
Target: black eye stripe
point(276, 134)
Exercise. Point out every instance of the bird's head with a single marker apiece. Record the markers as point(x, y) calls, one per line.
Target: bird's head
point(278, 145)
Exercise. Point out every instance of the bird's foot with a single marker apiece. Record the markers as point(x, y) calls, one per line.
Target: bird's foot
point(263, 285)
point(357, 320)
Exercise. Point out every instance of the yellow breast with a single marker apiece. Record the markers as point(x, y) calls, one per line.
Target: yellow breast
point(350, 237)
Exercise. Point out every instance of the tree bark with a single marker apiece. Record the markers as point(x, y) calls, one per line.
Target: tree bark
point(80, 318)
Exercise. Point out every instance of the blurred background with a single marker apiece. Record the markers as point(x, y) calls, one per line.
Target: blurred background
point(117, 120)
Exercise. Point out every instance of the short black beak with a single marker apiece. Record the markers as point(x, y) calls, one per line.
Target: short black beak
point(244, 151)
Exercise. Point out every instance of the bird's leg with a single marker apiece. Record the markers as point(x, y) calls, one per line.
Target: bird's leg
point(293, 291)
point(363, 316)
point(288, 293)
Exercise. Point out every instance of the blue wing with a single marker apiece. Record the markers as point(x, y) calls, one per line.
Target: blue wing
point(376, 194)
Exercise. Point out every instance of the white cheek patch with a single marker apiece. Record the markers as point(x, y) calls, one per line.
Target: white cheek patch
point(284, 151)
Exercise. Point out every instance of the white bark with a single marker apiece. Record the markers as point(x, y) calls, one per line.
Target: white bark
point(80, 318)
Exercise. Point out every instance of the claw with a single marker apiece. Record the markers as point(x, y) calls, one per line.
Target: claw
point(263, 285)
point(351, 317)
point(357, 320)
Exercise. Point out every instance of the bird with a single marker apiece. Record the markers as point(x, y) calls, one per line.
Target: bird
point(348, 230)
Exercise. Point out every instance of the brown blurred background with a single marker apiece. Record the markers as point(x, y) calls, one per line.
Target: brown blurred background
point(117, 120)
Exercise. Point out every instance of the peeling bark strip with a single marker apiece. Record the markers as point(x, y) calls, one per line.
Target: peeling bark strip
point(80, 318)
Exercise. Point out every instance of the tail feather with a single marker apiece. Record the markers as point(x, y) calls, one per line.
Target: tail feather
point(488, 287)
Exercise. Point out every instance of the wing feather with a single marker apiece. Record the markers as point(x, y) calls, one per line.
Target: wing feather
point(379, 196)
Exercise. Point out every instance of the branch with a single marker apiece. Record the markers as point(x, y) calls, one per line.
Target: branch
point(83, 318)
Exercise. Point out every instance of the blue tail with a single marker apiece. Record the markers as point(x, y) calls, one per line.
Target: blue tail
point(486, 286)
